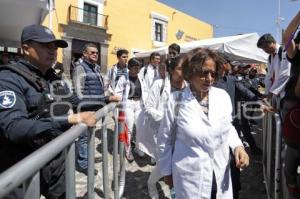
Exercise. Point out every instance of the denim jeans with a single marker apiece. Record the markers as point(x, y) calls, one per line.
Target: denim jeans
point(82, 151)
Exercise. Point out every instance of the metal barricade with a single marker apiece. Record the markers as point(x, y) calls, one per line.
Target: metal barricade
point(27, 171)
point(272, 148)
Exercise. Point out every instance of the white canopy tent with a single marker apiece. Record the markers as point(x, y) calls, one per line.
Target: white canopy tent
point(240, 48)
point(16, 14)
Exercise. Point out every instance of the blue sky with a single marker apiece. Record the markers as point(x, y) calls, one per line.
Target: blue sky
point(232, 17)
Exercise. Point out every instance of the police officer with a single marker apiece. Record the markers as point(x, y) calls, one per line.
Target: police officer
point(26, 122)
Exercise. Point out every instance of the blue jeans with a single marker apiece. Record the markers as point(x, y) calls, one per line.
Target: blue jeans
point(82, 151)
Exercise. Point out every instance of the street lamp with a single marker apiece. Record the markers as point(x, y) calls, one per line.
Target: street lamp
point(278, 21)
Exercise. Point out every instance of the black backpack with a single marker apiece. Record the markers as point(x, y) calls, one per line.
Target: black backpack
point(279, 54)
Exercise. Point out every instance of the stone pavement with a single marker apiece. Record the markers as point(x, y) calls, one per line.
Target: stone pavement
point(139, 170)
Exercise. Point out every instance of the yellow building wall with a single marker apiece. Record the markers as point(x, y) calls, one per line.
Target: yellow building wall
point(59, 16)
point(130, 25)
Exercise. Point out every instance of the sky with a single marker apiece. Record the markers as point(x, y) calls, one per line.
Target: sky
point(232, 17)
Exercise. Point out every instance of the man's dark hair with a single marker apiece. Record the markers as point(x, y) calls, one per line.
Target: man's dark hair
point(154, 54)
point(175, 47)
point(133, 62)
point(121, 52)
point(89, 45)
point(265, 39)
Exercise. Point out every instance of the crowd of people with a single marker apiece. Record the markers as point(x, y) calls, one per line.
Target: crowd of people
point(191, 113)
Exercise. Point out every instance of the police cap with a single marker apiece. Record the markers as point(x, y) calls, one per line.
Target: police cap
point(41, 34)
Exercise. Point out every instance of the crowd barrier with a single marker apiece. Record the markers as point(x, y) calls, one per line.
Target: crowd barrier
point(273, 153)
point(26, 173)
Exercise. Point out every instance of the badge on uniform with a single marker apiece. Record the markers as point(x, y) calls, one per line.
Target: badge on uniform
point(7, 99)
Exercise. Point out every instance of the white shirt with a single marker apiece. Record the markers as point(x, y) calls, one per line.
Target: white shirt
point(147, 80)
point(278, 74)
point(201, 147)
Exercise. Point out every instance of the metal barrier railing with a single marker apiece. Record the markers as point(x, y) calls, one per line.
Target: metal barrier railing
point(27, 171)
point(272, 148)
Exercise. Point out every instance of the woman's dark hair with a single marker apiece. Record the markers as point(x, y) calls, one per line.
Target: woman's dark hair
point(133, 62)
point(172, 63)
point(195, 59)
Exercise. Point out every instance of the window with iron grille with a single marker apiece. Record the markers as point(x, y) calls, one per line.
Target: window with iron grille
point(90, 13)
point(158, 31)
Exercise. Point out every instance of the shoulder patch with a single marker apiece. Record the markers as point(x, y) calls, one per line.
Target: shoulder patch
point(7, 99)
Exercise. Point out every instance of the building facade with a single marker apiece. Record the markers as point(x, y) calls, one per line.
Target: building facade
point(143, 25)
point(136, 25)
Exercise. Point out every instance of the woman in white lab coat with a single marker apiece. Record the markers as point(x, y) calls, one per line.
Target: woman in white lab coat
point(155, 106)
point(197, 162)
point(129, 89)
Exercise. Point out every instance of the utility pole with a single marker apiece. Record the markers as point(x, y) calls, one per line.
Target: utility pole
point(51, 5)
point(278, 23)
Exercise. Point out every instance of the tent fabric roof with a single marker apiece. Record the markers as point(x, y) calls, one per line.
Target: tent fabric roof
point(16, 14)
point(240, 48)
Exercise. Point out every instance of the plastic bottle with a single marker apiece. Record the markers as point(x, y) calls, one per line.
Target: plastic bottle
point(172, 193)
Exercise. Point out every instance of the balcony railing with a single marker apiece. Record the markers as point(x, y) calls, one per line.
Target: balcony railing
point(87, 17)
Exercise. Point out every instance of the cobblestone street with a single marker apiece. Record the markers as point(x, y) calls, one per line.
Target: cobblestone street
point(139, 170)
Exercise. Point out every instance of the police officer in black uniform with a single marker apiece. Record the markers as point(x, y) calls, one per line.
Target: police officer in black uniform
point(29, 89)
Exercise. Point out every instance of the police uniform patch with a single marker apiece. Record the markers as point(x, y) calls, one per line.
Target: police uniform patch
point(7, 99)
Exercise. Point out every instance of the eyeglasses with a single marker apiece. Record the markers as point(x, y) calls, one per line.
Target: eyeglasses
point(205, 72)
point(94, 52)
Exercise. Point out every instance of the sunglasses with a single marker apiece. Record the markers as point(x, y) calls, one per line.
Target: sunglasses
point(94, 52)
point(205, 72)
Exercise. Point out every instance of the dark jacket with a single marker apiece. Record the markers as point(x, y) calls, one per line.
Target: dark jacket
point(22, 127)
point(236, 90)
point(88, 85)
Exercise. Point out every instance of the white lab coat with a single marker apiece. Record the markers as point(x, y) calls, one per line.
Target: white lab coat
point(201, 146)
point(132, 109)
point(146, 79)
point(280, 71)
point(154, 111)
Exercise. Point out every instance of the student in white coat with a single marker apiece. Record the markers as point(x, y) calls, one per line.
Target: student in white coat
point(155, 105)
point(147, 75)
point(194, 141)
point(278, 67)
point(116, 71)
point(129, 89)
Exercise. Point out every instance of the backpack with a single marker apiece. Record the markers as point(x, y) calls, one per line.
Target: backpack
point(279, 54)
point(116, 79)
